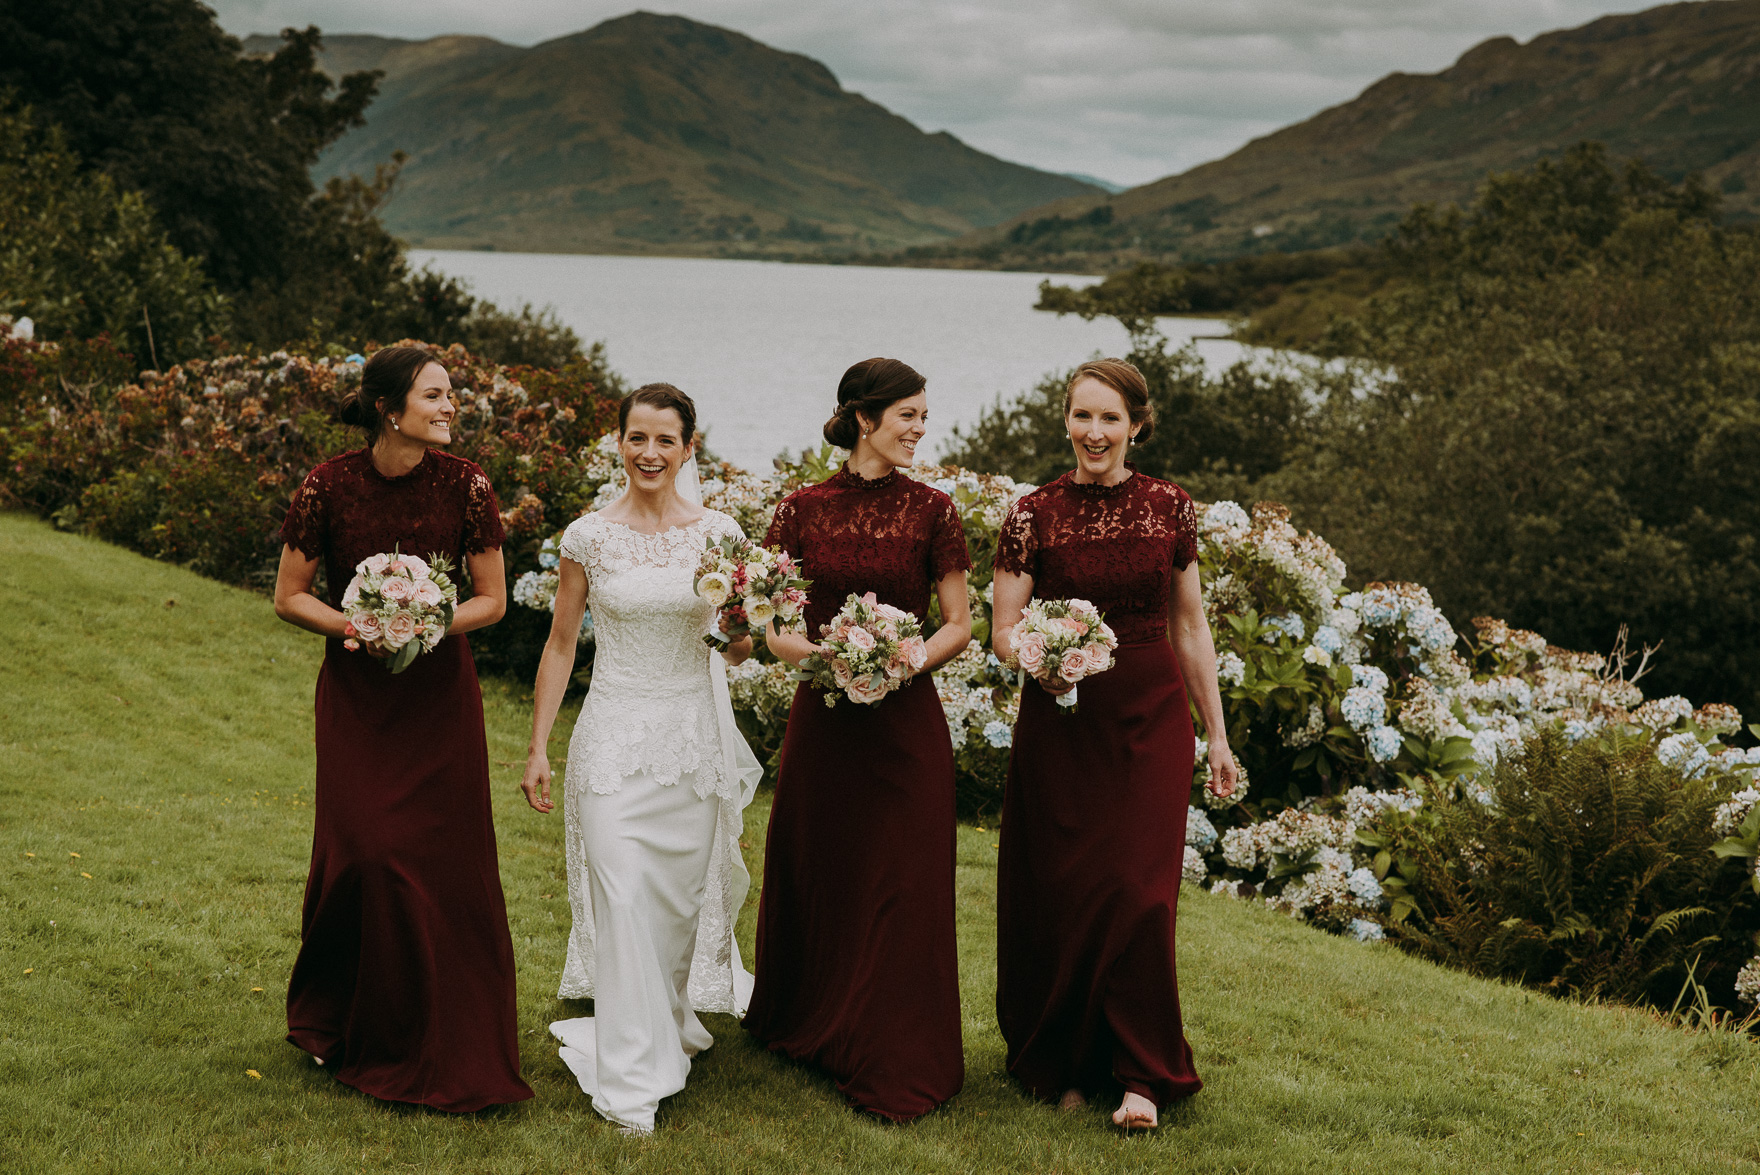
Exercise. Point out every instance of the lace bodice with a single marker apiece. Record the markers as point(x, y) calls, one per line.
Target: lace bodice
point(650, 707)
point(893, 536)
point(346, 510)
point(1116, 546)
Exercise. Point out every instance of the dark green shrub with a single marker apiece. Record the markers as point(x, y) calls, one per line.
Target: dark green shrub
point(1585, 868)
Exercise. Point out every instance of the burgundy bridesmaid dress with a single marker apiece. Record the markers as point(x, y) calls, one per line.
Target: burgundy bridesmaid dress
point(404, 985)
point(856, 965)
point(1094, 818)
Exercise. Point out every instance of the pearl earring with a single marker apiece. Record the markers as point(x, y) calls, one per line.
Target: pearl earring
point(395, 425)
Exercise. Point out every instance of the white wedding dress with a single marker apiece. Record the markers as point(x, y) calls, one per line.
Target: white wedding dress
point(657, 782)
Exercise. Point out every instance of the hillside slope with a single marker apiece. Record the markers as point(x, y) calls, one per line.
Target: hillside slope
point(1678, 86)
point(659, 134)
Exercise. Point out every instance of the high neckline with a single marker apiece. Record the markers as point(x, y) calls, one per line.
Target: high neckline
point(395, 478)
point(856, 480)
point(1094, 489)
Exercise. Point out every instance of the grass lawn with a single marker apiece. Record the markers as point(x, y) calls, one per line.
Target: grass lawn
point(155, 791)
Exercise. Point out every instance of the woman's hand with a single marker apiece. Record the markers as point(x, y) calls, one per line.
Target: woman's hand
point(1225, 773)
point(536, 783)
point(1055, 686)
point(792, 647)
point(735, 652)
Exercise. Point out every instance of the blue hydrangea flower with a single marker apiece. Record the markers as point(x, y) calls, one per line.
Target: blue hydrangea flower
point(1328, 638)
point(547, 557)
point(1290, 624)
point(1383, 743)
point(1365, 886)
point(1368, 677)
point(357, 357)
point(1200, 833)
point(1363, 709)
point(1686, 752)
point(1578, 729)
point(1380, 608)
point(586, 637)
point(999, 734)
point(1230, 669)
point(945, 485)
point(1364, 930)
point(1430, 630)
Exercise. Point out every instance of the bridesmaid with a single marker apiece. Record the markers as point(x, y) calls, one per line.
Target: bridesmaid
point(1093, 822)
point(856, 965)
point(404, 984)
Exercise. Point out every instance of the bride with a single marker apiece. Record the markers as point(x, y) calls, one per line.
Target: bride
point(658, 777)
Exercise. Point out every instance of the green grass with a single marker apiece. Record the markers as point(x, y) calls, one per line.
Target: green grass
point(168, 744)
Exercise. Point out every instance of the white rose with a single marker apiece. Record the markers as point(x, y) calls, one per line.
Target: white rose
point(715, 588)
point(759, 610)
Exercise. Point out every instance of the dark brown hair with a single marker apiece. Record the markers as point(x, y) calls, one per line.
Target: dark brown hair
point(384, 388)
point(659, 396)
point(1127, 381)
point(870, 388)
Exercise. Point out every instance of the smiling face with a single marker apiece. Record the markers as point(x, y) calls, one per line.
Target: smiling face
point(1100, 429)
point(427, 411)
point(895, 435)
point(653, 447)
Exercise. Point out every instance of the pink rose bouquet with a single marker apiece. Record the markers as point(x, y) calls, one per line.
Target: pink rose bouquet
point(749, 586)
point(871, 649)
point(399, 606)
point(1062, 641)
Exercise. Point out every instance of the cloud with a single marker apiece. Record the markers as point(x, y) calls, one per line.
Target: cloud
point(1130, 90)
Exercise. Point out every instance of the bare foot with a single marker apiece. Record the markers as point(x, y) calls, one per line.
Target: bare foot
point(1136, 1112)
point(1072, 1099)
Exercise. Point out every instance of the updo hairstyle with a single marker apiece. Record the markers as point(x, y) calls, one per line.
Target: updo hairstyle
point(870, 388)
point(1127, 381)
point(384, 388)
point(659, 396)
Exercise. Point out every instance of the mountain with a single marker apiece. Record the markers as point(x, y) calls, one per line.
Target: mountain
point(1678, 86)
point(658, 134)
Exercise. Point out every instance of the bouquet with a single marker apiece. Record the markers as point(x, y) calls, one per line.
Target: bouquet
point(871, 650)
point(1062, 641)
point(399, 605)
point(748, 585)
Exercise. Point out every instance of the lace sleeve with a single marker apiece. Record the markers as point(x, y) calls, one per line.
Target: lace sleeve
point(575, 543)
point(1017, 543)
point(782, 532)
point(726, 526)
point(304, 527)
point(482, 516)
point(947, 551)
point(1185, 530)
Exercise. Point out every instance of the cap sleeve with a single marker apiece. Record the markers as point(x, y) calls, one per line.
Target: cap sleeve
point(306, 527)
point(1185, 530)
point(482, 516)
point(1017, 543)
point(575, 540)
point(947, 550)
point(784, 526)
point(726, 526)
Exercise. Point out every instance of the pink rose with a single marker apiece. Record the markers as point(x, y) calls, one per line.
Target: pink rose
point(864, 689)
point(840, 672)
point(886, 630)
point(896, 669)
point(351, 646)
point(428, 592)
point(1073, 667)
point(395, 567)
point(367, 626)
point(1029, 650)
point(1096, 656)
point(352, 594)
point(914, 652)
point(1070, 624)
point(417, 568)
point(375, 564)
point(348, 630)
point(1107, 636)
point(870, 601)
point(400, 630)
point(861, 638)
point(398, 590)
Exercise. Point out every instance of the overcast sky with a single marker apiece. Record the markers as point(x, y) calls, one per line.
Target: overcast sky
point(1128, 90)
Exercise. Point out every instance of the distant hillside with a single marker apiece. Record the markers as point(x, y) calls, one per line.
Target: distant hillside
point(1678, 86)
point(657, 134)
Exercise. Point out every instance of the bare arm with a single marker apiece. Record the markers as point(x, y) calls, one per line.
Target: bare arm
point(955, 633)
point(294, 601)
point(1189, 631)
point(793, 647)
point(489, 601)
point(555, 666)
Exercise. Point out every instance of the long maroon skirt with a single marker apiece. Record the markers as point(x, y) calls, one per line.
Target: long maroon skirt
point(857, 970)
point(1093, 838)
point(404, 985)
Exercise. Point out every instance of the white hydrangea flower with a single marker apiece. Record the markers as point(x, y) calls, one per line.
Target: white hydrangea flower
point(1430, 629)
point(1309, 733)
point(1733, 813)
point(1228, 519)
point(1748, 982)
point(1366, 887)
point(1364, 930)
point(1685, 752)
point(1363, 807)
point(1369, 677)
point(1383, 743)
point(1240, 848)
point(1200, 833)
point(1328, 638)
point(1194, 869)
point(1381, 607)
point(1315, 655)
point(1230, 669)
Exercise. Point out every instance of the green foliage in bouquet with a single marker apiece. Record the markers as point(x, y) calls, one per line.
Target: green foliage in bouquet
point(1585, 867)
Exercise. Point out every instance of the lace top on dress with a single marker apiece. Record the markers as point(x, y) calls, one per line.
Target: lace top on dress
point(893, 536)
point(1116, 546)
point(650, 707)
point(346, 510)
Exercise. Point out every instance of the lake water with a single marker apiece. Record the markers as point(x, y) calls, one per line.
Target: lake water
point(760, 345)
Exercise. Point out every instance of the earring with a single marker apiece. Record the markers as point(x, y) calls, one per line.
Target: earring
point(395, 425)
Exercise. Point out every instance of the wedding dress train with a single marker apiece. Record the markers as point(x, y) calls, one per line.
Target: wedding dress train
point(657, 782)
